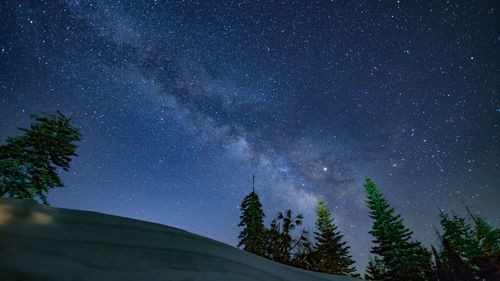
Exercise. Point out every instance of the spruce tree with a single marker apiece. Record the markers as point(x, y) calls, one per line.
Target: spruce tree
point(332, 253)
point(400, 258)
point(252, 217)
point(29, 163)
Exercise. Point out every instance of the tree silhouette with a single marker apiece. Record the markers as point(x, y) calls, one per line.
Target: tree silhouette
point(280, 246)
point(332, 254)
point(28, 163)
point(252, 217)
point(401, 259)
point(288, 223)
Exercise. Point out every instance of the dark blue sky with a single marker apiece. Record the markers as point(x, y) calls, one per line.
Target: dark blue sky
point(180, 103)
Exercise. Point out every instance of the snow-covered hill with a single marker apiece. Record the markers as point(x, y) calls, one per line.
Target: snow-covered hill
point(44, 243)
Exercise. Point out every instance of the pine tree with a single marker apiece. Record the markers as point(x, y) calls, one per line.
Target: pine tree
point(332, 253)
point(252, 236)
point(28, 163)
point(400, 258)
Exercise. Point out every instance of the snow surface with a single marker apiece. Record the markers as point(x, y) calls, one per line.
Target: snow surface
point(44, 243)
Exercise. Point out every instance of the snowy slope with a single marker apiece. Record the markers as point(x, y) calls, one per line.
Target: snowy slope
point(43, 243)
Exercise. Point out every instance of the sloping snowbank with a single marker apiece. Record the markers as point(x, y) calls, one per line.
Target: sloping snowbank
point(43, 243)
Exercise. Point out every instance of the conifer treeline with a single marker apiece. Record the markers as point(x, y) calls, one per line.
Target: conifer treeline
point(466, 251)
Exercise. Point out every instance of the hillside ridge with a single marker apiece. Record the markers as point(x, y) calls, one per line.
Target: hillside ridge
point(38, 242)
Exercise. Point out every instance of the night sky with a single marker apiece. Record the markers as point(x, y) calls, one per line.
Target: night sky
point(179, 103)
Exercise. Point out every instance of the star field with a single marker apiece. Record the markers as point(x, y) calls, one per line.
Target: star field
point(180, 102)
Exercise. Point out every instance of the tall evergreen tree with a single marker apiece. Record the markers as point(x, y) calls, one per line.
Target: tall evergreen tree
point(29, 163)
point(400, 258)
point(332, 253)
point(252, 219)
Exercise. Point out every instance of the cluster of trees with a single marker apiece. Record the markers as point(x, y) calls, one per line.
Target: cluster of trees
point(467, 251)
point(329, 253)
point(29, 163)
